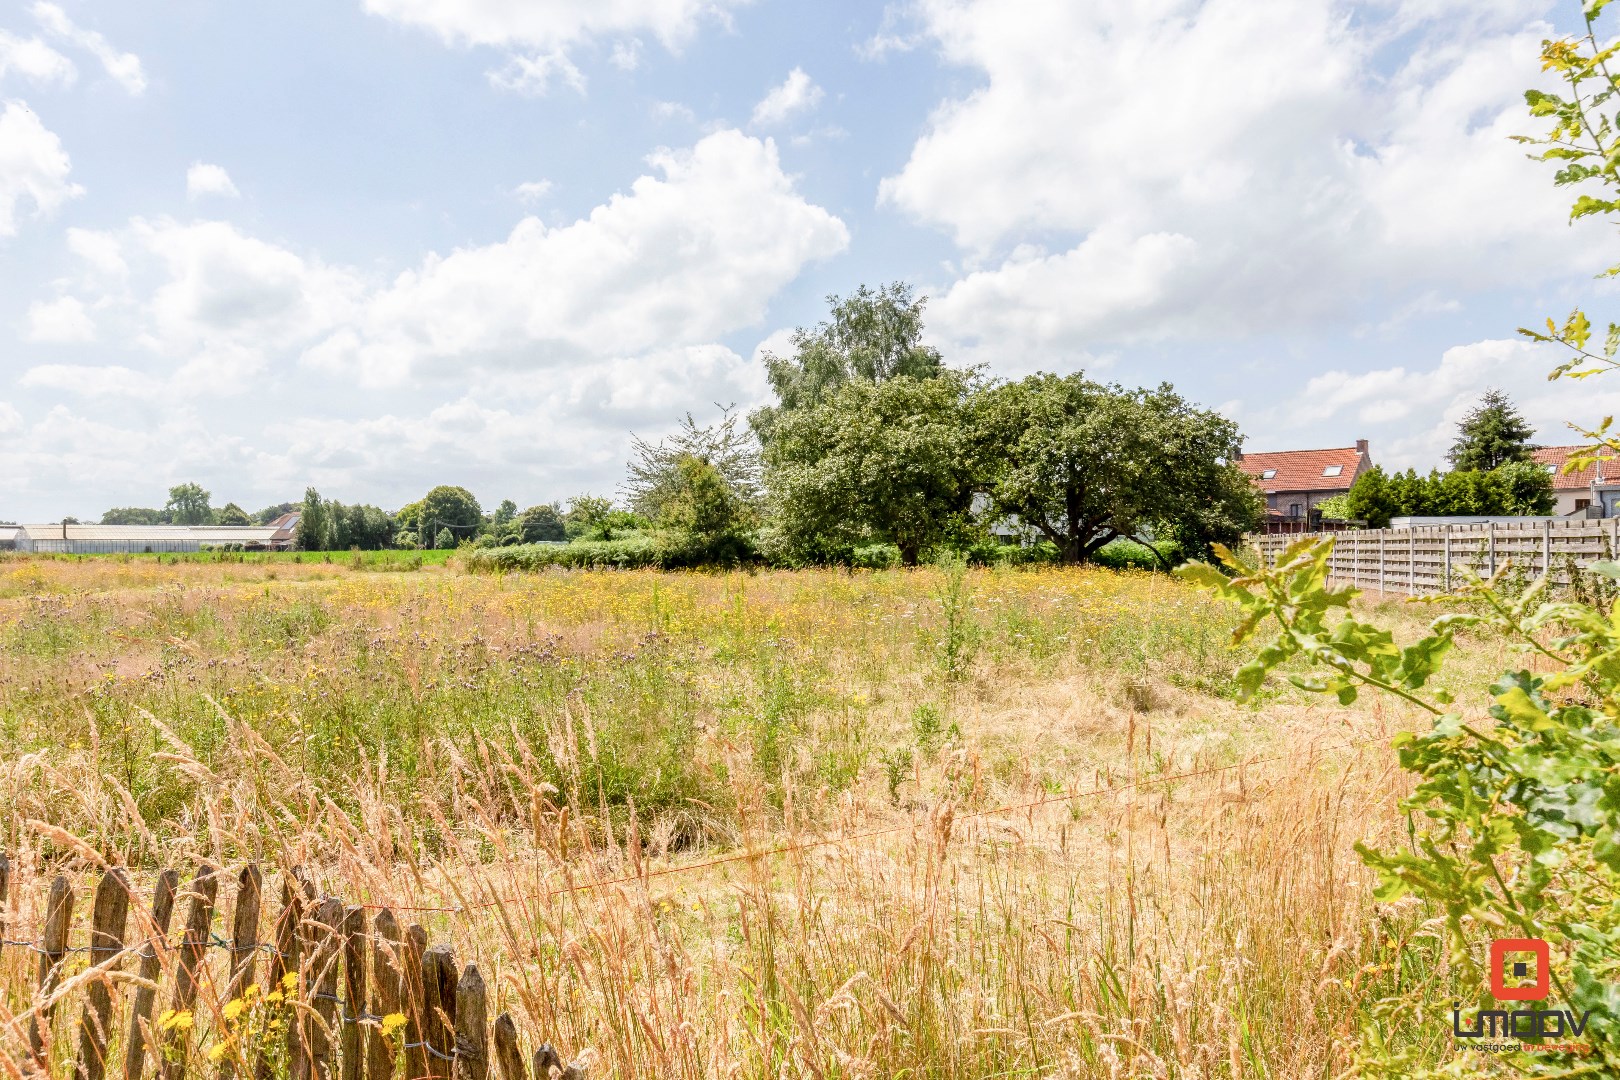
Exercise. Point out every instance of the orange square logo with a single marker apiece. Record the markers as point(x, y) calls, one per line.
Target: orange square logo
point(1501, 948)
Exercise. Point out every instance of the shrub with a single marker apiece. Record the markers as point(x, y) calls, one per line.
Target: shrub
point(1129, 555)
point(874, 557)
point(632, 552)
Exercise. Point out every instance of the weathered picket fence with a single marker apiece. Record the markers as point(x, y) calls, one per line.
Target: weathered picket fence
point(364, 1001)
point(1426, 559)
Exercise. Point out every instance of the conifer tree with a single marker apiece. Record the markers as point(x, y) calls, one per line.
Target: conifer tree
point(1491, 434)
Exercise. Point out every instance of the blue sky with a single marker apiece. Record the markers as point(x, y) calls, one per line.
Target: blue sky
point(375, 245)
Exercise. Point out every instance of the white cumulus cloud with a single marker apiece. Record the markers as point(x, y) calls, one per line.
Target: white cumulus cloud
point(797, 93)
point(553, 23)
point(33, 166)
point(34, 60)
point(692, 253)
point(123, 67)
point(204, 179)
point(541, 35)
point(609, 313)
point(532, 191)
point(102, 251)
point(63, 320)
point(1238, 188)
point(95, 380)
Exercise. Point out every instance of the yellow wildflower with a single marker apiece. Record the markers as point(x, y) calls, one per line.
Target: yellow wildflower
point(217, 1052)
point(233, 1009)
point(175, 1021)
point(290, 980)
point(392, 1023)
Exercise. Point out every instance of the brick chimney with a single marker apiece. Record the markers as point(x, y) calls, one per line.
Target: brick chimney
point(1361, 447)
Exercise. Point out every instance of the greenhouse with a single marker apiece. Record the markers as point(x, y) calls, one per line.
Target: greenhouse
point(65, 539)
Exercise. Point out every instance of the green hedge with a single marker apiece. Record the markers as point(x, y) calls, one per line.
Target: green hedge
point(626, 554)
point(669, 553)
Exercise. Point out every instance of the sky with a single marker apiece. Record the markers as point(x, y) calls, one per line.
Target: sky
point(372, 246)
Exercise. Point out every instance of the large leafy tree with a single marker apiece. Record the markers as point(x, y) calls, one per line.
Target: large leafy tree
point(873, 334)
point(134, 515)
point(1492, 433)
point(231, 514)
point(1083, 464)
point(887, 461)
point(368, 528)
point(188, 505)
point(541, 523)
point(452, 509)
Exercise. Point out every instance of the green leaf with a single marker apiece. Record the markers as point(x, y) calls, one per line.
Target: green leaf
point(1517, 706)
point(1586, 206)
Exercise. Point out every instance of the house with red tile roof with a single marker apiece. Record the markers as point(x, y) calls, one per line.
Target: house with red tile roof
point(1294, 481)
point(1593, 491)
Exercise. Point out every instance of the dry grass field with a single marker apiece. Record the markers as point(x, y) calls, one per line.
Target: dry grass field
point(937, 823)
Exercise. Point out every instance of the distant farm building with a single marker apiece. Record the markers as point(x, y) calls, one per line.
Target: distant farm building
point(8, 537)
point(149, 539)
point(1295, 481)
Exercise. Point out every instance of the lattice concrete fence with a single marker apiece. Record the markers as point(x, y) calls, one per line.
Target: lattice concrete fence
point(1427, 559)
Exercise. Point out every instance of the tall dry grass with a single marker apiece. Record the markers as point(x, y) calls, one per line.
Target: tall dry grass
point(500, 747)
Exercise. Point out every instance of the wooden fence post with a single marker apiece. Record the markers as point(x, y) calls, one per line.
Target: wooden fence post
point(1490, 544)
point(508, 1058)
point(5, 894)
point(323, 948)
point(386, 956)
point(354, 991)
point(193, 946)
point(283, 961)
point(109, 918)
point(245, 931)
point(439, 979)
point(244, 945)
point(546, 1058)
point(472, 1027)
point(1546, 551)
point(53, 947)
point(140, 1017)
point(416, 1020)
